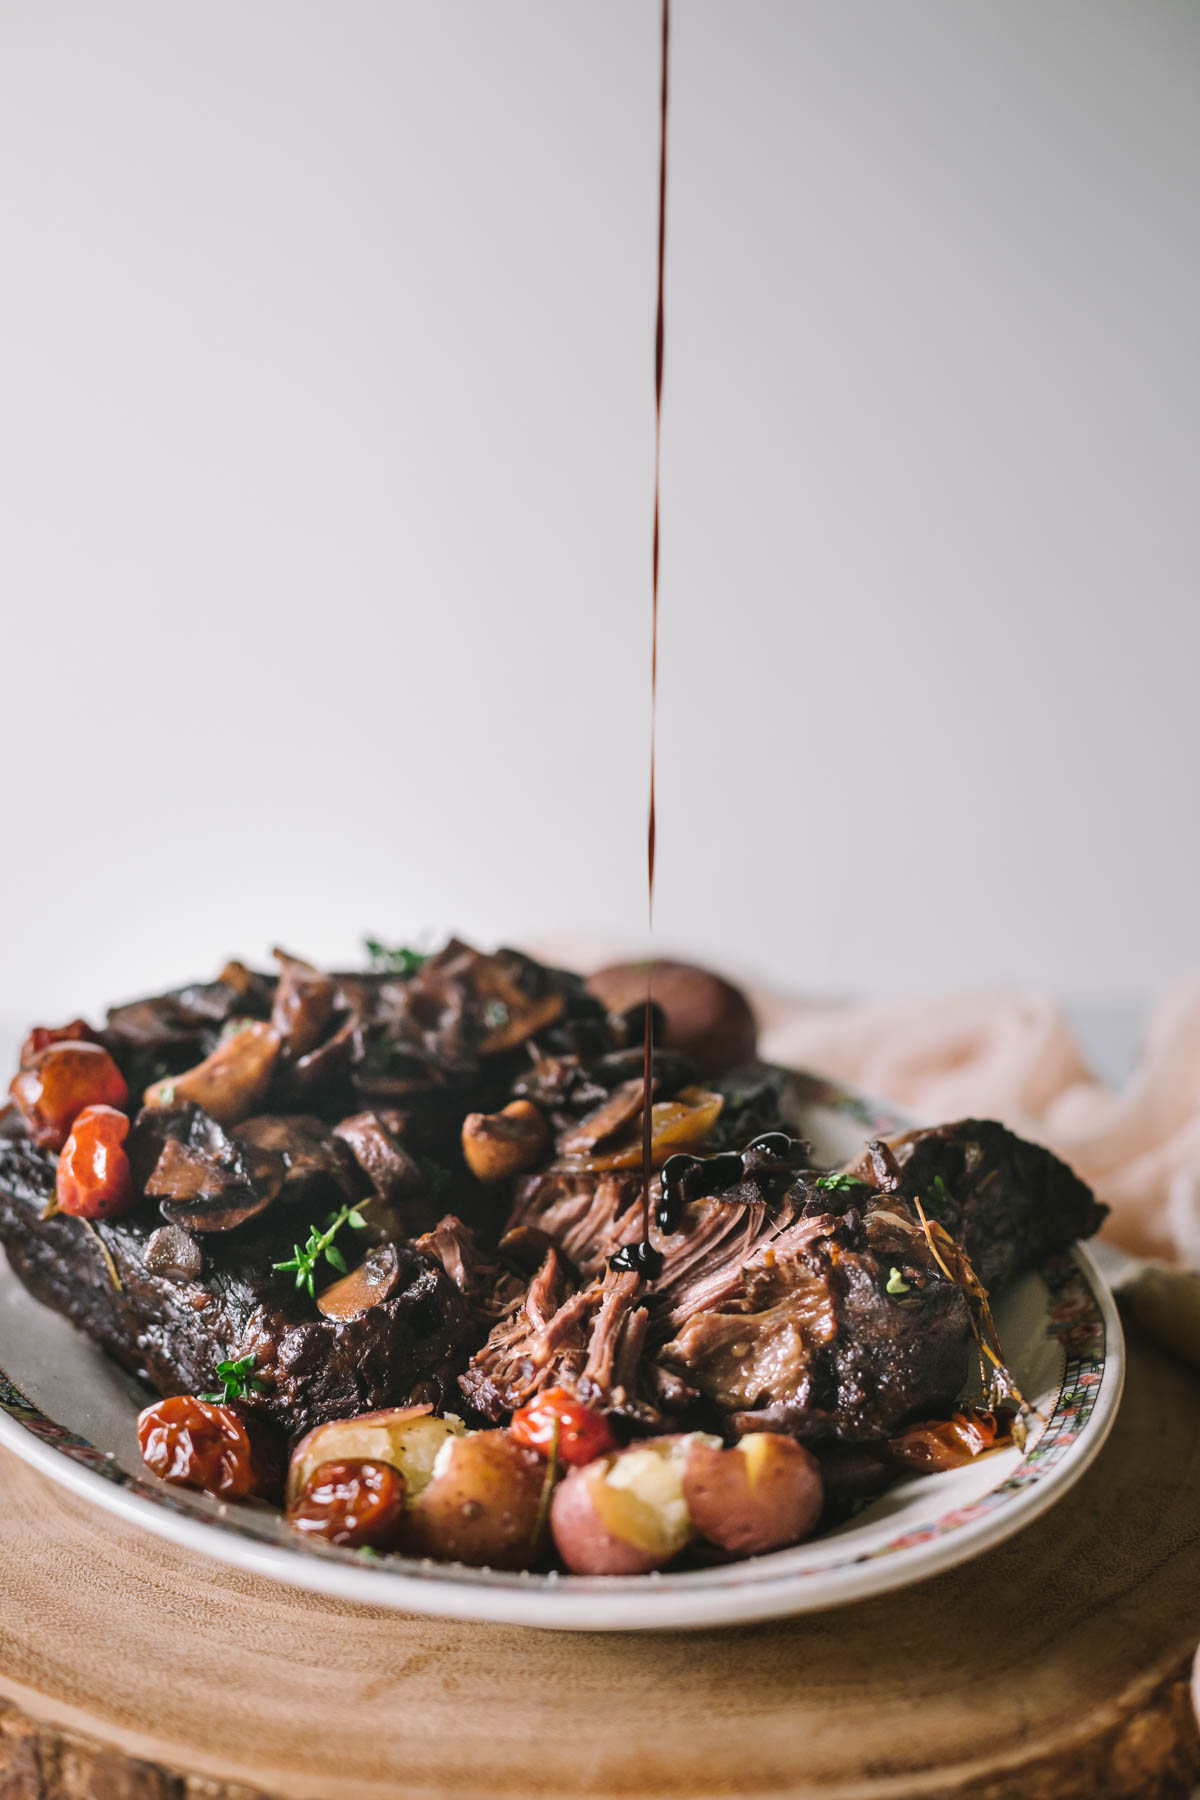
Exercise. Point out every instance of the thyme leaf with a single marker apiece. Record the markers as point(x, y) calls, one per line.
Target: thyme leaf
point(398, 960)
point(236, 1379)
point(320, 1244)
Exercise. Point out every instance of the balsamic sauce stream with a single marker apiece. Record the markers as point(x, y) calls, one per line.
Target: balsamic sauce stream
point(648, 1055)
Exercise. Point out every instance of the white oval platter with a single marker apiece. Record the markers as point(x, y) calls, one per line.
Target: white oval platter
point(69, 1411)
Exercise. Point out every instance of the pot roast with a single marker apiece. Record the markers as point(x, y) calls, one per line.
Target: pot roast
point(460, 1138)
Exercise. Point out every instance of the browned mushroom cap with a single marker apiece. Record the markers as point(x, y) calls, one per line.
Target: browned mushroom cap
point(497, 1145)
point(303, 1005)
point(231, 1083)
point(706, 1016)
point(374, 1281)
point(203, 1178)
point(204, 1182)
point(173, 1252)
point(505, 994)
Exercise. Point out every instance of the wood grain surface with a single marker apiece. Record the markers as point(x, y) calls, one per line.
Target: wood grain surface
point(1057, 1665)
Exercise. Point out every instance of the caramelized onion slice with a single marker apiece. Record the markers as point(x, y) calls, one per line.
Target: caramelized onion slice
point(938, 1444)
point(679, 1124)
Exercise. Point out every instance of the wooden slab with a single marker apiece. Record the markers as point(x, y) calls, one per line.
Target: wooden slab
point(1054, 1666)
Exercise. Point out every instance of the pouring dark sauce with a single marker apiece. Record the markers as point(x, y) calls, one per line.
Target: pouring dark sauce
point(647, 1121)
point(643, 1256)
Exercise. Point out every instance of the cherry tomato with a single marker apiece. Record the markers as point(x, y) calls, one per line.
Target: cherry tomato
point(42, 1036)
point(93, 1180)
point(198, 1443)
point(60, 1081)
point(582, 1434)
point(355, 1502)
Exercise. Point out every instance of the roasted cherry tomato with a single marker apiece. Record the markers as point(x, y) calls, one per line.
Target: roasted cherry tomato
point(60, 1081)
point(93, 1180)
point(42, 1036)
point(356, 1503)
point(582, 1434)
point(198, 1443)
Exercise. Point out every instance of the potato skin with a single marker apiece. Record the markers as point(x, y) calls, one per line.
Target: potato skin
point(482, 1504)
point(607, 1527)
point(583, 1540)
point(763, 1494)
point(707, 1017)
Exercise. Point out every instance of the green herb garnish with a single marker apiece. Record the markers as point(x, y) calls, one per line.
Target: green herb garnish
point(495, 1014)
point(237, 1380)
point(320, 1244)
point(838, 1183)
point(398, 961)
point(896, 1283)
point(436, 1178)
point(167, 1094)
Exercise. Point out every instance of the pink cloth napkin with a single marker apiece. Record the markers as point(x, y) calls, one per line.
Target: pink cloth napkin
point(1011, 1056)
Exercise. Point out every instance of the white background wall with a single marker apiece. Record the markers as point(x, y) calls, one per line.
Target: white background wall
point(325, 452)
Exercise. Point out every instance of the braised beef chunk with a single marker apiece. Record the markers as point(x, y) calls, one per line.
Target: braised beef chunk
point(782, 1304)
point(587, 1339)
point(1010, 1203)
point(747, 1291)
point(172, 1331)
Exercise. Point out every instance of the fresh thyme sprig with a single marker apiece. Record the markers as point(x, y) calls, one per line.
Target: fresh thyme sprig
point(838, 1183)
point(399, 961)
point(237, 1380)
point(320, 1244)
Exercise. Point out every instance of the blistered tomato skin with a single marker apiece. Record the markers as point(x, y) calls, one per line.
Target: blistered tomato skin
point(59, 1082)
point(42, 1036)
point(93, 1180)
point(356, 1503)
point(582, 1434)
point(197, 1443)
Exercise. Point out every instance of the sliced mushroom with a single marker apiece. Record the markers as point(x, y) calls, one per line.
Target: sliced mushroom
point(392, 1172)
point(327, 1063)
point(522, 1018)
point(310, 1149)
point(374, 1281)
point(303, 1006)
point(230, 1084)
point(621, 1108)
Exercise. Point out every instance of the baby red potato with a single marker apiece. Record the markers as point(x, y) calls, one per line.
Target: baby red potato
point(764, 1493)
point(482, 1504)
point(626, 1514)
point(407, 1438)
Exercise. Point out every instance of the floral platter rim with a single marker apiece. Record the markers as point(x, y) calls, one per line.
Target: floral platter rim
point(1080, 1313)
